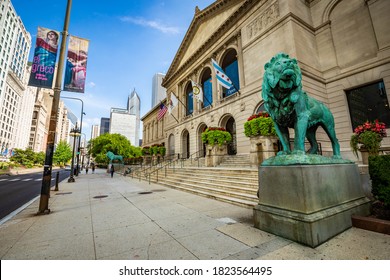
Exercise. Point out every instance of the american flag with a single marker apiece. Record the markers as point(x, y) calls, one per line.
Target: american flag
point(162, 111)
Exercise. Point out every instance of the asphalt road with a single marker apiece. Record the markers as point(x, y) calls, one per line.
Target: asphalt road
point(17, 190)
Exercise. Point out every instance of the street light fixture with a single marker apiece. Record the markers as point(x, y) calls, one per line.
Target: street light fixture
point(74, 132)
point(81, 129)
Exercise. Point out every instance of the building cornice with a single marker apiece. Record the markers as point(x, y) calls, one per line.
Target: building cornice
point(174, 70)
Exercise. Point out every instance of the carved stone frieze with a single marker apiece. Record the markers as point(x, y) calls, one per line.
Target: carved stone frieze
point(262, 21)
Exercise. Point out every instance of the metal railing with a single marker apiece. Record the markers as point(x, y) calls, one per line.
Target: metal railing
point(172, 164)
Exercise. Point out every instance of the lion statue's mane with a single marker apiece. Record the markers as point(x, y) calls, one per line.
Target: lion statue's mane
point(290, 107)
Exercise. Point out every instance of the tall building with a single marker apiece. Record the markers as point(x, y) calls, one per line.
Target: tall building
point(134, 108)
point(123, 123)
point(15, 43)
point(104, 125)
point(24, 114)
point(158, 91)
point(40, 119)
point(95, 131)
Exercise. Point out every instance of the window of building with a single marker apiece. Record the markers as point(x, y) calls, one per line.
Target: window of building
point(207, 88)
point(230, 67)
point(370, 103)
point(189, 100)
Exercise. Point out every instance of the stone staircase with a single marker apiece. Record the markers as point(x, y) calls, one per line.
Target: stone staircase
point(236, 160)
point(237, 186)
point(234, 181)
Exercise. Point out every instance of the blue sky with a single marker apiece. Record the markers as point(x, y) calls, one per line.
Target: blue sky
point(130, 41)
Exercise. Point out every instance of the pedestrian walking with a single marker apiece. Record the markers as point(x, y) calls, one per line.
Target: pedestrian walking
point(112, 170)
point(93, 167)
point(86, 169)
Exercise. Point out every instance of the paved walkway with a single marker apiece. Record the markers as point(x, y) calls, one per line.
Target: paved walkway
point(99, 217)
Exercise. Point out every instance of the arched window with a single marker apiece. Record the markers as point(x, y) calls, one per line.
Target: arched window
point(189, 99)
point(230, 67)
point(261, 108)
point(207, 88)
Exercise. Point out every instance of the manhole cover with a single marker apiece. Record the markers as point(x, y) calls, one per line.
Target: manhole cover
point(145, 192)
point(159, 190)
point(63, 193)
point(100, 196)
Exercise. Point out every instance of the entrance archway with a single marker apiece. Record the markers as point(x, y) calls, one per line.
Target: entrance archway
point(201, 146)
point(171, 145)
point(185, 140)
point(230, 125)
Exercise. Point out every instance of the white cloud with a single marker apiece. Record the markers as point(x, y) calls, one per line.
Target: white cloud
point(152, 24)
point(92, 84)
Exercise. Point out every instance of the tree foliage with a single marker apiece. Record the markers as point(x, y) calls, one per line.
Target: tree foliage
point(28, 157)
point(63, 153)
point(116, 143)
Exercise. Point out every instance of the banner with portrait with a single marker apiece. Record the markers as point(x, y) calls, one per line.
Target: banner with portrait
point(76, 64)
point(45, 57)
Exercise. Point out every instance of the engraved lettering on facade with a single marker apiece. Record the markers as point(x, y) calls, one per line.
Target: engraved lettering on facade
point(264, 20)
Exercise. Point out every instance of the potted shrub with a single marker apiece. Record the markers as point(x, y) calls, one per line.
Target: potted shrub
point(216, 140)
point(259, 124)
point(216, 136)
point(264, 142)
point(145, 150)
point(367, 138)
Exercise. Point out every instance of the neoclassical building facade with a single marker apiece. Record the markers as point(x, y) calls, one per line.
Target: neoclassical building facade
point(342, 47)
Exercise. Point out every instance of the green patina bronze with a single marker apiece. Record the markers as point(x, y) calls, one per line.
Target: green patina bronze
point(112, 157)
point(290, 107)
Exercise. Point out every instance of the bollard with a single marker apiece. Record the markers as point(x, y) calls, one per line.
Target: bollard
point(57, 179)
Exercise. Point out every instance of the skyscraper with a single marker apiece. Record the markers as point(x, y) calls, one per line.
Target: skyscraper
point(158, 92)
point(104, 125)
point(134, 108)
point(15, 45)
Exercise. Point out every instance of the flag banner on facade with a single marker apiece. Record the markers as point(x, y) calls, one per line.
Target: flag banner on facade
point(76, 65)
point(222, 78)
point(172, 103)
point(162, 111)
point(197, 90)
point(45, 57)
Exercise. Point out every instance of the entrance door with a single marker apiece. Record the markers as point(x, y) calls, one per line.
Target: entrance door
point(231, 127)
point(185, 144)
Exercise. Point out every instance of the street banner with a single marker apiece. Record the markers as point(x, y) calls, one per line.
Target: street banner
point(76, 64)
point(45, 56)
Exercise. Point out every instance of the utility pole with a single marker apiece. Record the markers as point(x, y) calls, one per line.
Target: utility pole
point(47, 170)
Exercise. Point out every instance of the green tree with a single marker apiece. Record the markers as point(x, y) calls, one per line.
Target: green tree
point(28, 157)
point(63, 153)
point(116, 143)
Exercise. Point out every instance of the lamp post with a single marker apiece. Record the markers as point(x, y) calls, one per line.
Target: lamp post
point(75, 132)
point(81, 129)
point(47, 170)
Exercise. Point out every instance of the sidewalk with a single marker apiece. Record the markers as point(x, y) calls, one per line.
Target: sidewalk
point(99, 217)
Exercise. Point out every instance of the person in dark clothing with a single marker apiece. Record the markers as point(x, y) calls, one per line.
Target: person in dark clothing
point(112, 170)
point(93, 167)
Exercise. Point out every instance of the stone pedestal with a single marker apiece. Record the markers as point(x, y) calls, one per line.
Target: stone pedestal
point(214, 155)
point(262, 147)
point(309, 203)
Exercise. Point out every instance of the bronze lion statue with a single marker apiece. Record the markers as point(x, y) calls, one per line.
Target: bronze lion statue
point(290, 107)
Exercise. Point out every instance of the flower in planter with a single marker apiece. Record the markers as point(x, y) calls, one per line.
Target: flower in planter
point(145, 150)
point(368, 136)
point(259, 124)
point(216, 135)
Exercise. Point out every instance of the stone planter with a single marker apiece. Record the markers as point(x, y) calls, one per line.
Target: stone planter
point(262, 147)
point(364, 154)
point(215, 154)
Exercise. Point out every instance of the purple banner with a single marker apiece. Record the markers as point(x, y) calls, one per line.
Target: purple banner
point(45, 56)
point(76, 65)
